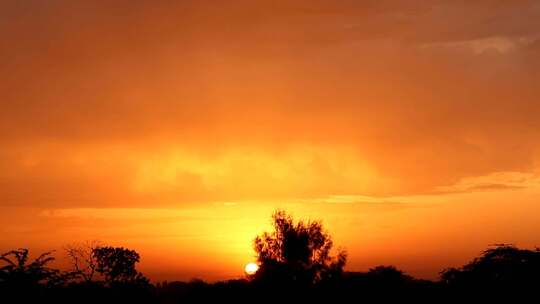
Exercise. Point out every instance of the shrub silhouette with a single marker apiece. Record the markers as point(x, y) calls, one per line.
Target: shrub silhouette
point(297, 254)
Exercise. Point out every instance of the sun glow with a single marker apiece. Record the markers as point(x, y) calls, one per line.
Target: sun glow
point(251, 268)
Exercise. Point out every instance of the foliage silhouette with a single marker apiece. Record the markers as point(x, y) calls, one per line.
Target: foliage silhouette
point(296, 254)
point(501, 268)
point(388, 275)
point(25, 281)
point(18, 271)
point(117, 265)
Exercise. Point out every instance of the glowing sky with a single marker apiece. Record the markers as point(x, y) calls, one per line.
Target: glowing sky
point(411, 128)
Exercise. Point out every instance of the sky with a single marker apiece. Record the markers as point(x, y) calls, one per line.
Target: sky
point(176, 128)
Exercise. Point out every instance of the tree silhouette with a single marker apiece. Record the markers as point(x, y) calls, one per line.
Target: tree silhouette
point(296, 253)
point(117, 265)
point(82, 260)
point(501, 268)
point(388, 274)
point(17, 271)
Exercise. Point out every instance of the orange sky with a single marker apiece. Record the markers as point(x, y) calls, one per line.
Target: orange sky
point(411, 128)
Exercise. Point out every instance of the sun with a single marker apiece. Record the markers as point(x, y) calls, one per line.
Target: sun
point(251, 268)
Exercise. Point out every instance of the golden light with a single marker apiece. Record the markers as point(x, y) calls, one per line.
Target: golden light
point(251, 268)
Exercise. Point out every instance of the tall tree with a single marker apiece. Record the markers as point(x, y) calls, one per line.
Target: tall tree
point(296, 253)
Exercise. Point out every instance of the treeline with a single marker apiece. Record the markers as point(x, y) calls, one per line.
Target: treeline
point(100, 274)
point(295, 265)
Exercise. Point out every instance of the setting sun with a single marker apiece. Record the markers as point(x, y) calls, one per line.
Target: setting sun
point(251, 268)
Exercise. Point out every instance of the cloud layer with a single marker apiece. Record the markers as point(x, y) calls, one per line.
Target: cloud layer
point(155, 103)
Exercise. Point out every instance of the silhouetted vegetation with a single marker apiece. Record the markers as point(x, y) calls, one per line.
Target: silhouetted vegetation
point(19, 271)
point(83, 261)
point(117, 266)
point(22, 280)
point(296, 265)
point(501, 270)
point(296, 254)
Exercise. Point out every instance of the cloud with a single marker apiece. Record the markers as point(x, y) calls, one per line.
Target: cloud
point(282, 99)
point(493, 182)
point(499, 45)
